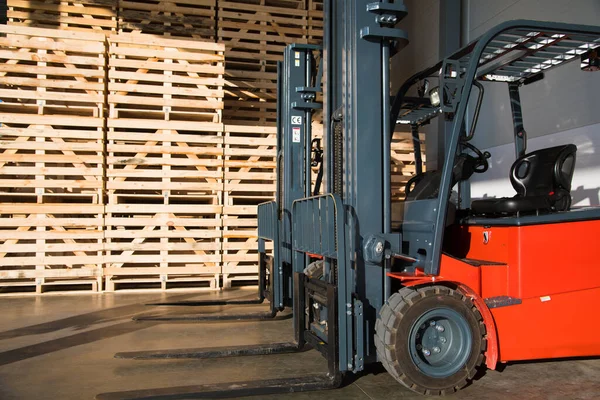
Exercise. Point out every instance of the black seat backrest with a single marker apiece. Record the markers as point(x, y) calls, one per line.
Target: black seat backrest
point(544, 172)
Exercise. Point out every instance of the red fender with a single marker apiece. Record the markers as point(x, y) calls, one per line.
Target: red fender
point(491, 353)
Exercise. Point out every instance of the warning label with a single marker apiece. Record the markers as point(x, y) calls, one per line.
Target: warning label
point(296, 135)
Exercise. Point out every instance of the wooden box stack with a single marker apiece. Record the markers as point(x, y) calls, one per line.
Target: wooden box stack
point(80, 15)
point(165, 161)
point(170, 18)
point(255, 33)
point(51, 157)
point(250, 179)
point(403, 165)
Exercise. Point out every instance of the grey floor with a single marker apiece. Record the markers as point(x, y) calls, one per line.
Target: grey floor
point(62, 347)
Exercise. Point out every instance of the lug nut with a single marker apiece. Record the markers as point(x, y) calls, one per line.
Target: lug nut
point(426, 353)
point(436, 349)
point(440, 328)
point(432, 323)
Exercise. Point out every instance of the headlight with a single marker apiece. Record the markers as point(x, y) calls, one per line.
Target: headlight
point(434, 96)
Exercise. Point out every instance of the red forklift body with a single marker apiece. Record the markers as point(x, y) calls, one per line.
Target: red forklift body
point(539, 282)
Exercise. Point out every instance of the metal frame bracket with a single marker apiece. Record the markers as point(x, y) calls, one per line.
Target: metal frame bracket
point(387, 15)
point(451, 85)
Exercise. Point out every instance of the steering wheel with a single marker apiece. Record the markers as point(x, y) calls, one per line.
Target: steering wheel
point(478, 164)
point(464, 167)
point(428, 189)
point(412, 182)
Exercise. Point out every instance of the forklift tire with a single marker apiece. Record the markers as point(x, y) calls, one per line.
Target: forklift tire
point(431, 339)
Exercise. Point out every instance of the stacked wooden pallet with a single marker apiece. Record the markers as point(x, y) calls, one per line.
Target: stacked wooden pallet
point(249, 180)
point(51, 157)
point(255, 33)
point(80, 15)
point(315, 21)
point(403, 162)
point(180, 18)
point(165, 160)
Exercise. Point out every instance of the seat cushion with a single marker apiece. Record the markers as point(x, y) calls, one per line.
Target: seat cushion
point(511, 205)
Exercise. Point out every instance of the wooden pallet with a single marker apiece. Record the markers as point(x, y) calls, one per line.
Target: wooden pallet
point(51, 157)
point(255, 33)
point(78, 15)
point(164, 162)
point(178, 18)
point(51, 72)
point(43, 244)
point(249, 180)
point(51, 85)
point(162, 243)
point(165, 79)
point(240, 244)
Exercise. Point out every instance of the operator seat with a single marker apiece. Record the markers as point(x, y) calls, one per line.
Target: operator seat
point(542, 180)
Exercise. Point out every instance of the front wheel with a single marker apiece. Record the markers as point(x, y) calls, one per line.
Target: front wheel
point(431, 339)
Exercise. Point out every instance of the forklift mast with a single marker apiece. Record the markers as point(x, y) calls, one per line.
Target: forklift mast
point(347, 226)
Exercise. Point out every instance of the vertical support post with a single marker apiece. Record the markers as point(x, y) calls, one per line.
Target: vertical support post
point(449, 42)
point(387, 136)
point(417, 148)
point(517, 117)
point(307, 130)
point(386, 127)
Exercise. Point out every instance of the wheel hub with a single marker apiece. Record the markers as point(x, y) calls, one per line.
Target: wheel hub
point(440, 342)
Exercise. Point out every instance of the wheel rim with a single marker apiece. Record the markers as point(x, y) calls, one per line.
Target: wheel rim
point(440, 342)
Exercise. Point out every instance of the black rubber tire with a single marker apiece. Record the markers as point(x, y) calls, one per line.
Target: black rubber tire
point(393, 328)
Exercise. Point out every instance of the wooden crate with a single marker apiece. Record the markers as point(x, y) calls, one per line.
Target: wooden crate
point(178, 18)
point(51, 72)
point(51, 244)
point(79, 15)
point(162, 244)
point(163, 217)
point(255, 33)
point(164, 162)
point(249, 180)
point(51, 157)
point(165, 79)
point(51, 84)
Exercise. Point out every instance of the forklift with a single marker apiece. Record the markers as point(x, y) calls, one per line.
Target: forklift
point(457, 285)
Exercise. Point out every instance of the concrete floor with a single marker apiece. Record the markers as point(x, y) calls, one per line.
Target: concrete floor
point(62, 347)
